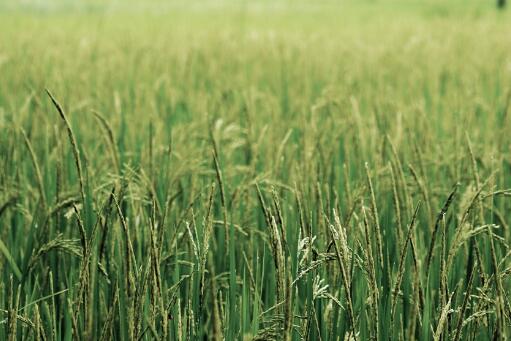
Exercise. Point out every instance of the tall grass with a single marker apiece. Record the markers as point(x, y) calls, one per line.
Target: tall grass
point(256, 173)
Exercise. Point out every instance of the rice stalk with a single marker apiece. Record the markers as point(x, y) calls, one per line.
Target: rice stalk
point(73, 142)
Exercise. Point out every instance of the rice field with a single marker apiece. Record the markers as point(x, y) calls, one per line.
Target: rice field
point(255, 170)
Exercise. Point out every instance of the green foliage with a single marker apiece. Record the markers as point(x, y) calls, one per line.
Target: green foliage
point(261, 171)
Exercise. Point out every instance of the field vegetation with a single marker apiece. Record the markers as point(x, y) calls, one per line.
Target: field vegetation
point(242, 171)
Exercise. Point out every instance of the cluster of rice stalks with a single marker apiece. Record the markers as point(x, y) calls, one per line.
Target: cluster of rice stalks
point(258, 260)
point(293, 204)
